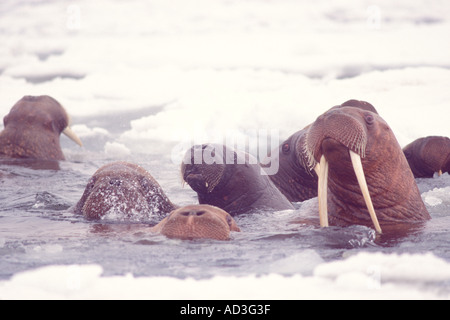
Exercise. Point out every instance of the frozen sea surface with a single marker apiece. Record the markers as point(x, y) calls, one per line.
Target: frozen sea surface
point(144, 79)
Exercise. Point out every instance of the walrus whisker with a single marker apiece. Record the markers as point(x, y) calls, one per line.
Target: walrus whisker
point(357, 166)
point(322, 170)
point(182, 169)
point(307, 156)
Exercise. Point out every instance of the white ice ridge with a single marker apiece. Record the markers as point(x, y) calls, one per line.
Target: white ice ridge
point(361, 276)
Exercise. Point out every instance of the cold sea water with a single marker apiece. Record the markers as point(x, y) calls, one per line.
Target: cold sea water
point(142, 78)
point(38, 229)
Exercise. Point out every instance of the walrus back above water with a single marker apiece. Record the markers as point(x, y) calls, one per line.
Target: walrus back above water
point(123, 191)
point(32, 129)
point(429, 155)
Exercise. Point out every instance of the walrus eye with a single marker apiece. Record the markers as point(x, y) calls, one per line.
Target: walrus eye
point(212, 152)
point(48, 124)
point(369, 119)
point(229, 220)
point(286, 147)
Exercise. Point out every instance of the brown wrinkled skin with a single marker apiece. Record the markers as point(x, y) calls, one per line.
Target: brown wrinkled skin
point(294, 179)
point(391, 184)
point(236, 187)
point(197, 222)
point(125, 189)
point(428, 155)
point(32, 129)
point(364, 105)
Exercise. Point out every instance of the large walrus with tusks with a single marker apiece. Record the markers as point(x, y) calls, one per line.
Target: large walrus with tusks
point(364, 177)
point(294, 178)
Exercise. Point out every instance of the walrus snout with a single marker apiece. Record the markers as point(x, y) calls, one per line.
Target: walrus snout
point(337, 124)
point(196, 213)
point(203, 167)
point(197, 222)
point(192, 175)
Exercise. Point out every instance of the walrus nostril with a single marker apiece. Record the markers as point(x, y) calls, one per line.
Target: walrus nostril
point(193, 213)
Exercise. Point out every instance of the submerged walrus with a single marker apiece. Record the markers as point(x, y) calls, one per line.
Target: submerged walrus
point(294, 178)
point(363, 170)
point(429, 155)
point(230, 179)
point(123, 191)
point(197, 222)
point(32, 129)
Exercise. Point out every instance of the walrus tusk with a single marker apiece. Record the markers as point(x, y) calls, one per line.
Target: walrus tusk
point(72, 136)
point(357, 166)
point(322, 172)
point(440, 173)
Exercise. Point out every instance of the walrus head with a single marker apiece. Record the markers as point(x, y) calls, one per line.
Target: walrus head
point(230, 179)
point(197, 222)
point(429, 155)
point(204, 167)
point(355, 152)
point(123, 191)
point(293, 177)
point(364, 105)
point(32, 129)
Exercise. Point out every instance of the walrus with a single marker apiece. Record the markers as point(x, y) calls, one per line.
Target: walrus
point(230, 179)
point(294, 178)
point(123, 191)
point(364, 177)
point(364, 105)
point(32, 129)
point(429, 155)
point(197, 222)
